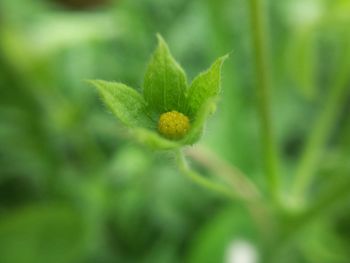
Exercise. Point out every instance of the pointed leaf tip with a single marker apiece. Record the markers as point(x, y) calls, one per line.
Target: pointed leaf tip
point(165, 81)
point(205, 86)
point(126, 103)
point(161, 40)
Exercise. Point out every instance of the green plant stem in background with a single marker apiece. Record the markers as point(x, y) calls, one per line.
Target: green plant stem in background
point(200, 180)
point(259, 38)
point(323, 127)
point(240, 187)
point(243, 187)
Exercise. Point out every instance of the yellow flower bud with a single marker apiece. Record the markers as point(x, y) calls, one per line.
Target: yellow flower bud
point(173, 125)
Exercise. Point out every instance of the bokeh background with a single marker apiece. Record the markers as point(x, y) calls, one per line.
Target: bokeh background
point(74, 188)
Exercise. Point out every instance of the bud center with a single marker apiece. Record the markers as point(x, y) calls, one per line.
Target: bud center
point(173, 125)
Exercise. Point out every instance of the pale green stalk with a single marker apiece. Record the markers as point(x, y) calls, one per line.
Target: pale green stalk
point(243, 187)
point(199, 179)
point(259, 38)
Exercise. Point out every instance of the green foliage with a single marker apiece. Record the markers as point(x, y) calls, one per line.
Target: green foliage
point(213, 240)
point(42, 234)
point(126, 103)
point(322, 245)
point(205, 86)
point(59, 146)
point(165, 83)
point(165, 89)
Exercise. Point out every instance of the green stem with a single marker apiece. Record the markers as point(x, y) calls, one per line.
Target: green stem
point(322, 128)
point(200, 180)
point(250, 195)
point(243, 187)
point(259, 38)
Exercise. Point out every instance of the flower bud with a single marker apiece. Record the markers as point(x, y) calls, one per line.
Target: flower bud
point(173, 125)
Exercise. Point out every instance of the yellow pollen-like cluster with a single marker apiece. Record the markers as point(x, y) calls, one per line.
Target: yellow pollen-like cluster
point(173, 125)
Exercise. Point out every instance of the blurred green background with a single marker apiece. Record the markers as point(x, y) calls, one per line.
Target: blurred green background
point(73, 188)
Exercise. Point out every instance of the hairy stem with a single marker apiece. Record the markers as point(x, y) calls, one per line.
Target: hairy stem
point(199, 179)
point(259, 38)
point(244, 188)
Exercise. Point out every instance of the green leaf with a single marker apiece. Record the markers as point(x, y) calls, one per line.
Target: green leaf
point(205, 86)
point(126, 103)
point(198, 124)
point(52, 234)
point(165, 81)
